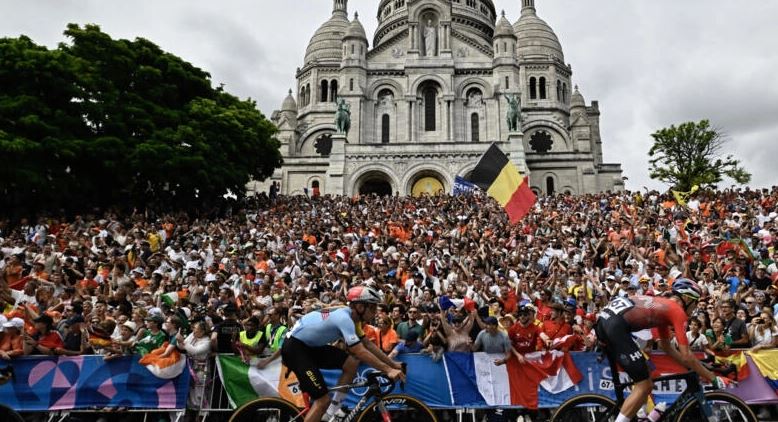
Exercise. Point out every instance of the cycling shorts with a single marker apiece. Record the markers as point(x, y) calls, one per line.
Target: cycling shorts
point(305, 361)
point(615, 332)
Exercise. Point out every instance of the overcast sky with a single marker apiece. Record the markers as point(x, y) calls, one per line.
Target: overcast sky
point(649, 63)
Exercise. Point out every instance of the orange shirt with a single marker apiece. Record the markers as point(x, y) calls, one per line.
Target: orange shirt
point(387, 340)
point(13, 345)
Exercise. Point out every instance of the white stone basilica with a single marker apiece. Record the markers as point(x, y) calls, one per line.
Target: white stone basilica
point(430, 96)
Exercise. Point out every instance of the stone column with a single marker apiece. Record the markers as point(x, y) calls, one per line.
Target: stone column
point(336, 170)
point(516, 151)
point(448, 120)
point(410, 120)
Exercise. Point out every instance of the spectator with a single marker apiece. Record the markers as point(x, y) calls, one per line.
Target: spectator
point(457, 333)
point(123, 345)
point(718, 337)
point(413, 324)
point(152, 337)
point(45, 340)
point(492, 340)
point(226, 332)
point(555, 328)
point(275, 333)
point(524, 334)
point(11, 341)
point(76, 341)
point(763, 332)
point(250, 341)
point(198, 348)
point(386, 335)
point(409, 345)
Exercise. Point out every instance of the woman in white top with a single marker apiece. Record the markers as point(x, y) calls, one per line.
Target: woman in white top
point(698, 342)
point(198, 348)
point(763, 332)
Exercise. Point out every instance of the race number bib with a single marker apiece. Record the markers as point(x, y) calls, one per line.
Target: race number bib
point(619, 305)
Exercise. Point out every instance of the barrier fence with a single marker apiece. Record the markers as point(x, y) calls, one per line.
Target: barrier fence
point(459, 380)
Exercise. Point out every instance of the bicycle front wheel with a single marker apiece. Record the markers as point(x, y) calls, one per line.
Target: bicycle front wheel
point(586, 407)
point(726, 407)
point(267, 409)
point(399, 408)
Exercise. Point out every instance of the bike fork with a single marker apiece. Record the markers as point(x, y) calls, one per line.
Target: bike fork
point(707, 409)
point(385, 416)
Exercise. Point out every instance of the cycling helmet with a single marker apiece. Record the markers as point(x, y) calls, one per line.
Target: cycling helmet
point(686, 288)
point(363, 294)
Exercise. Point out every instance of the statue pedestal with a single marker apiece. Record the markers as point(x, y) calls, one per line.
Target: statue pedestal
point(337, 165)
point(516, 151)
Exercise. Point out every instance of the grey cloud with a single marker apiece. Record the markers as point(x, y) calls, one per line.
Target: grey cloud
point(650, 64)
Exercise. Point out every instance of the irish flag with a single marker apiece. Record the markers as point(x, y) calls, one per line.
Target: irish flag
point(244, 382)
point(475, 379)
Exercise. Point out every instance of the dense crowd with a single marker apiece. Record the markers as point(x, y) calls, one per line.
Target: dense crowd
point(454, 275)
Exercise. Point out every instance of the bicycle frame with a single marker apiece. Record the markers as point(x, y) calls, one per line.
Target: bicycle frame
point(693, 391)
point(374, 389)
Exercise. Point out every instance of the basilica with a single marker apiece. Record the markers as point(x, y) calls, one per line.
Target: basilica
point(429, 95)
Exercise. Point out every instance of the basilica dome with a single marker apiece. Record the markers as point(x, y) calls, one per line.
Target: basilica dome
point(327, 42)
point(536, 38)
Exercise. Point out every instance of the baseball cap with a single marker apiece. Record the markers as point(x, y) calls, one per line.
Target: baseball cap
point(490, 320)
point(17, 323)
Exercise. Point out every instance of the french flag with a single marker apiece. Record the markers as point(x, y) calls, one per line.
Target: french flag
point(477, 382)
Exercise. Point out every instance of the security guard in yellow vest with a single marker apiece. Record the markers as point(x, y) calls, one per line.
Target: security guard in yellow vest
point(275, 332)
point(250, 341)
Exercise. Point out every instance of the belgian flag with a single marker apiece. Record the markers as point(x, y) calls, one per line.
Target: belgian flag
point(501, 180)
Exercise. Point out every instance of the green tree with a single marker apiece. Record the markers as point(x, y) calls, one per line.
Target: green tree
point(690, 154)
point(104, 122)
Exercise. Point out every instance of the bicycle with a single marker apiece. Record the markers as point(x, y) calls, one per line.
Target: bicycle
point(693, 405)
point(385, 408)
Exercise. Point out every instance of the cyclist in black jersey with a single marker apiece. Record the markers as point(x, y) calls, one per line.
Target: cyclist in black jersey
point(623, 316)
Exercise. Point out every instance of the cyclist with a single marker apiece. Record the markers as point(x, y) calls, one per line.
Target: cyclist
point(307, 349)
point(623, 316)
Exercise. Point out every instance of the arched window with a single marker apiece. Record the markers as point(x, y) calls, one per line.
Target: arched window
point(307, 94)
point(559, 96)
point(333, 90)
point(564, 93)
point(315, 191)
point(351, 84)
point(301, 99)
point(352, 48)
point(324, 90)
point(504, 47)
point(549, 185)
point(474, 128)
point(385, 129)
point(430, 97)
point(507, 82)
point(542, 88)
point(533, 90)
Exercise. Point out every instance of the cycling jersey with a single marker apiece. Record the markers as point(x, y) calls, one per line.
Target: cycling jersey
point(660, 314)
point(624, 316)
point(323, 327)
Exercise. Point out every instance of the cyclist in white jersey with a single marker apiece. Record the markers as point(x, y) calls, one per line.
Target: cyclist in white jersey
point(307, 349)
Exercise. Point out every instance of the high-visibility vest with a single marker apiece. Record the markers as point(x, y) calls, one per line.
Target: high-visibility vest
point(274, 337)
point(251, 342)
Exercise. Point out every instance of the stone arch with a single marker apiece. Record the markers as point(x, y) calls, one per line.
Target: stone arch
point(550, 175)
point(429, 8)
point(444, 86)
point(427, 168)
point(474, 82)
point(369, 170)
point(557, 129)
point(567, 188)
point(377, 86)
point(315, 182)
point(308, 137)
point(466, 170)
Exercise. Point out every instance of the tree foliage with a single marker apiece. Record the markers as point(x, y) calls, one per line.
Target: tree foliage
point(690, 154)
point(99, 122)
